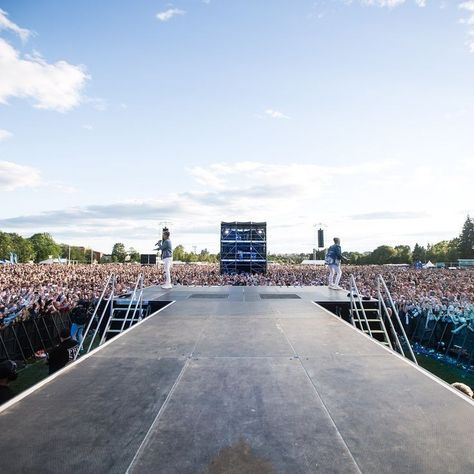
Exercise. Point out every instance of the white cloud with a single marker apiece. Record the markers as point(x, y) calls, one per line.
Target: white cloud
point(54, 86)
point(13, 176)
point(469, 7)
point(385, 3)
point(7, 24)
point(97, 103)
point(170, 13)
point(367, 203)
point(5, 134)
point(276, 114)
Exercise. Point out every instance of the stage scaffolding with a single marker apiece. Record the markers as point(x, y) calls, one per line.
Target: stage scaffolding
point(243, 247)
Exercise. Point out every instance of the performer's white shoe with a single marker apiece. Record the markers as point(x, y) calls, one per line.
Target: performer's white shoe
point(167, 287)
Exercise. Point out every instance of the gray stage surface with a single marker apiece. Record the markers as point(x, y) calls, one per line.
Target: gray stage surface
point(225, 380)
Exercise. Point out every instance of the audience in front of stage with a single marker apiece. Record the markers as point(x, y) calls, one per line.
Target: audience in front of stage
point(34, 291)
point(30, 291)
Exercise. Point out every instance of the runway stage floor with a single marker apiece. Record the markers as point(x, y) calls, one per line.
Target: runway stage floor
point(259, 384)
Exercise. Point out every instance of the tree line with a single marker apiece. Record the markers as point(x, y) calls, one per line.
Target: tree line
point(444, 251)
point(41, 246)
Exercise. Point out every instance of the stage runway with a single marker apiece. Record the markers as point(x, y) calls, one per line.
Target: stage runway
point(259, 379)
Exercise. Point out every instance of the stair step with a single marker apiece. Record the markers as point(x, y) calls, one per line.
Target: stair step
point(367, 310)
point(374, 331)
point(368, 320)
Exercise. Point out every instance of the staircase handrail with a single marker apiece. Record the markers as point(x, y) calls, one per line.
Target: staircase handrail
point(110, 306)
point(132, 298)
point(359, 299)
point(397, 317)
point(139, 300)
point(392, 327)
point(89, 324)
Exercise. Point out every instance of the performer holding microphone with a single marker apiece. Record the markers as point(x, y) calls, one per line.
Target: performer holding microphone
point(167, 256)
point(333, 261)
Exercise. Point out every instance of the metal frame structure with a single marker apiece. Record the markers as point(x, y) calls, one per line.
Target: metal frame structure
point(386, 312)
point(137, 298)
point(107, 305)
point(243, 247)
point(20, 340)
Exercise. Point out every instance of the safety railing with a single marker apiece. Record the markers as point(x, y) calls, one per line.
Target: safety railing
point(109, 285)
point(136, 301)
point(356, 299)
point(137, 296)
point(388, 308)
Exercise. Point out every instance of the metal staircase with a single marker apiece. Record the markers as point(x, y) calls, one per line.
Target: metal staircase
point(115, 315)
point(379, 319)
point(124, 316)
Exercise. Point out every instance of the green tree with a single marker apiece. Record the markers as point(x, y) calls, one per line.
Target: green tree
point(6, 246)
point(419, 253)
point(466, 239)
point(134, 254)
point(382, 254)
point(179, 253)
point(23, 248)
point(453, 253)
point(44, 246)
point(402, 254)
point(437, 252)
point(77, 254)
point(119, 253)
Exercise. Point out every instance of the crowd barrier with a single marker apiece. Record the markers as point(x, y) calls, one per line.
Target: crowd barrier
point(438, 335)
point(20, 341)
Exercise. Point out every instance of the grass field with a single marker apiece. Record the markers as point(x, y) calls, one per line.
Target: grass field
point(448, 372)
point(30, 375)
point(36, 371)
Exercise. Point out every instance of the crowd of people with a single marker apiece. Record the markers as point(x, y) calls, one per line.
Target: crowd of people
point(31, 290)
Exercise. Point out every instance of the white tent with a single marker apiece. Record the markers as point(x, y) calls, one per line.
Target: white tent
point(50, 261)
point(313, 262)
point(429, 265)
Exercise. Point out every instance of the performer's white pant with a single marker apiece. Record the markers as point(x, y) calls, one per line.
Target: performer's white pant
point(167, 262)
point(335, 274)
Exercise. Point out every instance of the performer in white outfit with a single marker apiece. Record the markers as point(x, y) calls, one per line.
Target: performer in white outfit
point(167, 256)
point(333, 261)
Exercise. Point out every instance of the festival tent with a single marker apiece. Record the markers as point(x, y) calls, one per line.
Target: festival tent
point(429, 265)
point(50, 261)
point(313, 262)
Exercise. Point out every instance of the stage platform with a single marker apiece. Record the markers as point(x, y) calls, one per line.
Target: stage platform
point(318, 294)
point(226, 379)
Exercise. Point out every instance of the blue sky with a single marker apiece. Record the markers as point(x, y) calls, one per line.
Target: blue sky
point(117, 116)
